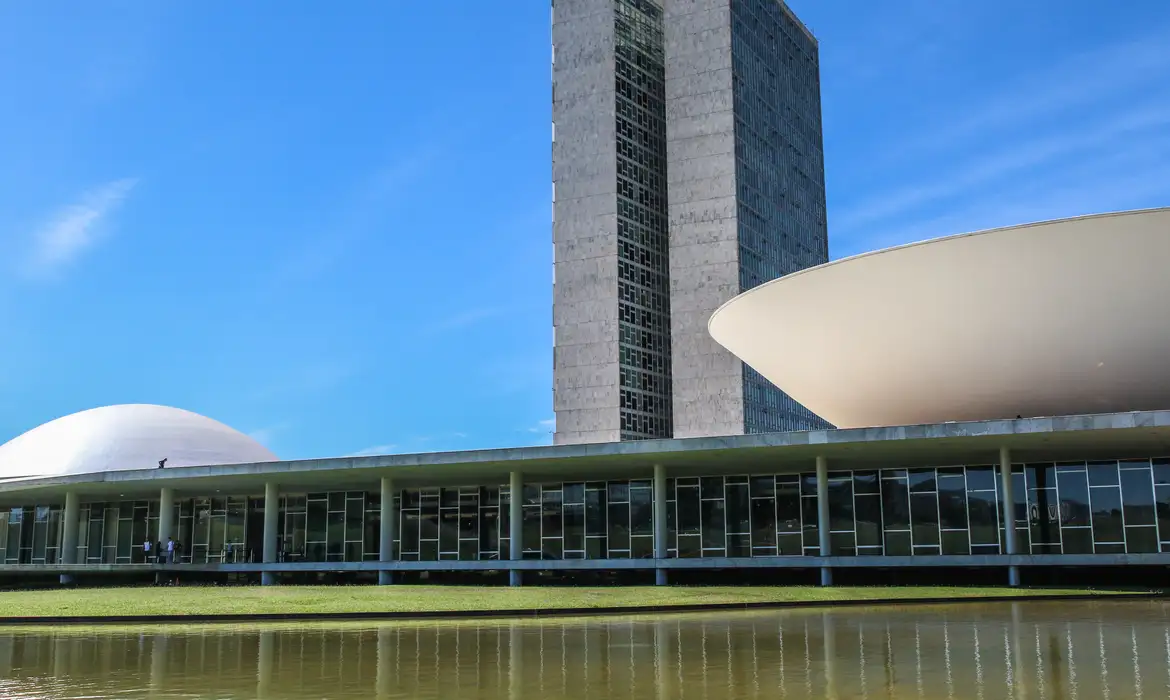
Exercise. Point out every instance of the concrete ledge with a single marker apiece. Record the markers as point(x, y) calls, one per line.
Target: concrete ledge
point(545, 613)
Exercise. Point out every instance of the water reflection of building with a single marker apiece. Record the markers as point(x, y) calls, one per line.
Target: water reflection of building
point(1050, 650)
point(81, 495)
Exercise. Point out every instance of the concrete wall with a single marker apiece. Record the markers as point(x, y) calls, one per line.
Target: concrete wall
point(704, 242)
point(585, 310)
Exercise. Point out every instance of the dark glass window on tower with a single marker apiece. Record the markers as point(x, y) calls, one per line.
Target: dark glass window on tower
point(780, 184)
point(643, 283)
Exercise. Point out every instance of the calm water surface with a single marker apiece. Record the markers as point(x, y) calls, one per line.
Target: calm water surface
point(1029, 651)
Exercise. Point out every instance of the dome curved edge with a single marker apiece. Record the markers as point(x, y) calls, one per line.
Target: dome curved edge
point(126, 436)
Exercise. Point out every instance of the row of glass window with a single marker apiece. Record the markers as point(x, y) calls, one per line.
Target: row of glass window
point(1069, 508)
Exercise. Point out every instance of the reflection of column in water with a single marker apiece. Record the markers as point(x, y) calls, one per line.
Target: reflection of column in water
point(1137, 668)
point(1104, 668)
point(1017, 657)
point(661, 649)
point(950, 678)
point(1056, 664)
point(918, 661)
point(265, 659)
point(1008, 670)
point(1072, 667)
point(829, 641)
point(7, 650)
point(978, 664)
point(808, 684)
point(1039, 675)
point(861, 677)
point(891, 678)
point(515, 661)
point(384, 673)
point(780, 642)
point(61, 645)
point(158, 661)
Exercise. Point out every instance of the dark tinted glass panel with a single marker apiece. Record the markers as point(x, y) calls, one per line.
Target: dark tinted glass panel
point(788, 545)
point(1137, 493)
point(898, 544)
point(595, 512)
point(808, 484)
point(531, 494)
point(1077, 541)
point(619, 526)
point(551, 514)
point(641, 547)
point(1117, 548)
point(865, 482)
point(530, 528)
point(739, 546)
point(1074, 498)
point(984, 526)
point(841, 505)
point(1102, 473)
point(921, 480)
point(1044, 517)
point(714, 527)
point(690, 546)
point(809, 518)
point(842, 544)
point(763, 486)
point(869, 520)
point(574, 493)
point(1141, 540)
point(1163, 495)
point(738, 515)
point(711, 487)
point(763, 522)
point(787, 507)
point(1106, 514)
point(955, 542)
point(688, 511)
point(641, 512)
point(619, 492)
point(489, 538)
point(981, 478)
point(924, 518)
point(952, 502)
point(895, 505)
point(1161, 471)
point(1040, 476)
point(574, 526)
point(448, 530)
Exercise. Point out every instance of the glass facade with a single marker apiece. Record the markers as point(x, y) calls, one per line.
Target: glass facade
point(1099, 507)
point(643, 248)
point(780, 175)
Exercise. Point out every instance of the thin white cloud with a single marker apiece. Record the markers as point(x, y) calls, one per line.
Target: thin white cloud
point(375, 450)
point(76, 227)
point(1014, 158)
point(546, 426)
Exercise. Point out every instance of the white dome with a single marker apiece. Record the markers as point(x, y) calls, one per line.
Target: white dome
point(131, 436)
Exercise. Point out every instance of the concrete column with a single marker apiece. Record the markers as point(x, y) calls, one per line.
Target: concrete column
point(1009, 511)
point(387, 528)
point(271, 529)
point(823, 516)
point(166, 516)
point(516, 524)
point(69, 533)
point(660, 533)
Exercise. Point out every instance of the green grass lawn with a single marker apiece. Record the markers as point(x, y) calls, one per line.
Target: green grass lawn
point(98, 602)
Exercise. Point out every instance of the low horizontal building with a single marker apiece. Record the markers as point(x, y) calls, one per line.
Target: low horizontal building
point(968, 488)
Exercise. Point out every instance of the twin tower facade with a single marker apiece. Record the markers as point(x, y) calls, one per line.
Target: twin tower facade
point(687, 167)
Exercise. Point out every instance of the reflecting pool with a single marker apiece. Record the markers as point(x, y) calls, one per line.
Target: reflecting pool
point(1049, 650)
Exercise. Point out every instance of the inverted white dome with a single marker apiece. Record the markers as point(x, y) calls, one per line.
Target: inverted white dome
point(130, 436)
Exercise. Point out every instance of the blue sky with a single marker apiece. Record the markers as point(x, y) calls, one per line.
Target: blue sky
point(327, 224)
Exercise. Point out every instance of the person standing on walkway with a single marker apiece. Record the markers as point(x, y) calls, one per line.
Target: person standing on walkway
point(170, 550)
point(146, 551)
